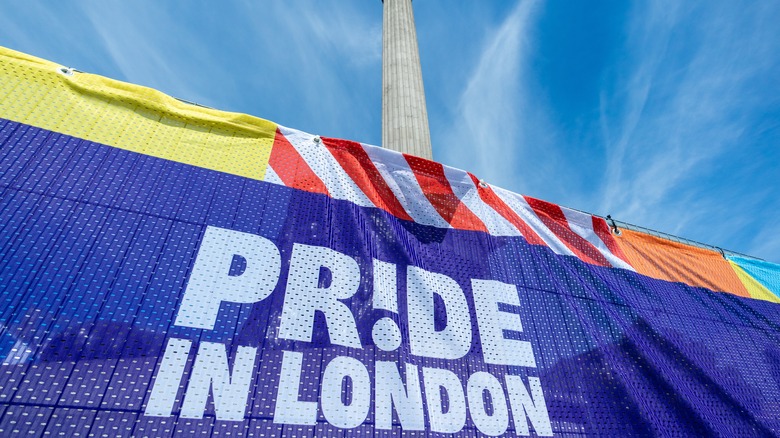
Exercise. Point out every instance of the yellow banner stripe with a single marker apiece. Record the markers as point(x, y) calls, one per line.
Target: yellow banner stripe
point(131, 117)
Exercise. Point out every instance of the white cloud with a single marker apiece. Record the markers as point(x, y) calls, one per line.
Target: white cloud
point(766, 243)
point(485, 136)
point(344, 31)
point(679, 112)
point(140, 42)
point(676, 103)
point(325, 54)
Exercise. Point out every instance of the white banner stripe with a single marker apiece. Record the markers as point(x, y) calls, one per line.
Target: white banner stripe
point(527, 214)
point(467, 192)
point(326, 167)
point(582, 224)
point(397, 173)
point(271, 176)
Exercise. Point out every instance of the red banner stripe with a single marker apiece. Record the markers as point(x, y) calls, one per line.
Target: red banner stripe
point(553, 218)
point(602, 230)
point(356, 162)
point(434, 184)
point(291, 167)
point(490, 198)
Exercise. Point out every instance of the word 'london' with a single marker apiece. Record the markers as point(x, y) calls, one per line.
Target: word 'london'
point(211, 284)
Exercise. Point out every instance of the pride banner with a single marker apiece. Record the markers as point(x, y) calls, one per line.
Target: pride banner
point(172, 270)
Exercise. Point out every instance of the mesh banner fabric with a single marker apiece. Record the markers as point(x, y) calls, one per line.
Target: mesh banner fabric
point(172, 270)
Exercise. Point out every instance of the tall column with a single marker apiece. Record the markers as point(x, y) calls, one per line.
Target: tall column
point(404, 117)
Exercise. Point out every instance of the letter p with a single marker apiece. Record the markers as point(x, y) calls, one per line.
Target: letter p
point(211, 283)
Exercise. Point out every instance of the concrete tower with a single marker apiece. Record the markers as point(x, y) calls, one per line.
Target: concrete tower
point(404, 117)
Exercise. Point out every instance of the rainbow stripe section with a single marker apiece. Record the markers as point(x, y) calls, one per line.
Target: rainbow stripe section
point(761, 279)
point(667, 260)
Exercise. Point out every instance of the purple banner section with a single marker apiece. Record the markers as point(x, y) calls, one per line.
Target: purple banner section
point(144, 297)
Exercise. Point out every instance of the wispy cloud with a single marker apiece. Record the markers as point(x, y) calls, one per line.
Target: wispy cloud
point(680, 110)
point(150, 47)
point(295, 62)
point(484, 136)
point(344, 31)
point(766, 243)
point(51, 33)
point(679, 103)
point(323, 53)
point(682, 139)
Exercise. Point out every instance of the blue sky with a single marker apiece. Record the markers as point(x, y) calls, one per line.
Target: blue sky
point(663, 114)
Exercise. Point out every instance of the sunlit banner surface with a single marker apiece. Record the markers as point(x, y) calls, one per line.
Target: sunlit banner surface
point(173, 270)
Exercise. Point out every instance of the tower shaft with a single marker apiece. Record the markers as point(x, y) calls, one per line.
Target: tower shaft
point(404, 115)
